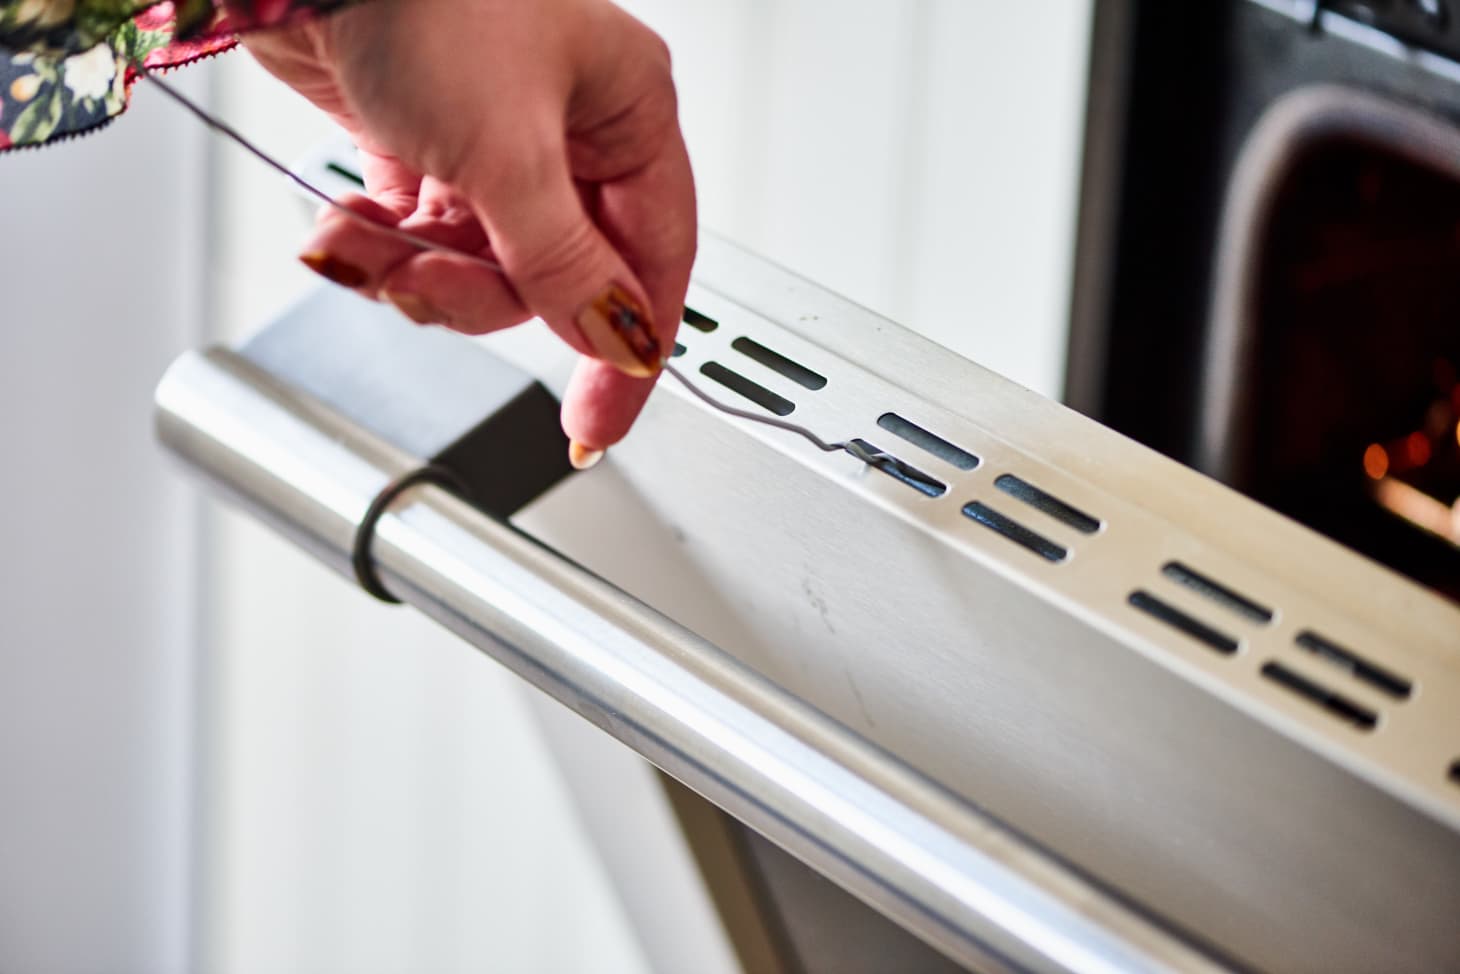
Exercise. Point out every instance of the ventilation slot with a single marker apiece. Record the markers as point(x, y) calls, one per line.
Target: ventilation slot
point(678, 350)
point(777, 362)
point(755, 392)
point(903, 472)
point(1048, 503)
point(1216, 591)
point(700, 322)
point(1014, 531)
point(345, 174)
point(1338, 706)
point(1358, 667)
point(1177, 619)
point(928, 442)
point(1455, 772)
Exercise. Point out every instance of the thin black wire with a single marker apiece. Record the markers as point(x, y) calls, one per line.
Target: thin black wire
point(753, 417)
point(223, 128)
point(229, 132)
point(875, 458)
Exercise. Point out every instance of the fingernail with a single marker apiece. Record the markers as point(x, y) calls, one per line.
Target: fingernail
point(334, 269)
point(416, 308)
point(620, 331)
point(581, 457)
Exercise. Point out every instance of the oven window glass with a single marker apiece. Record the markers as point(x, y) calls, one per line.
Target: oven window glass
point(1357, 430)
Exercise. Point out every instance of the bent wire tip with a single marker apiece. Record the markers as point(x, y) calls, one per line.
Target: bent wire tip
point(872, 457)
point(782, 424)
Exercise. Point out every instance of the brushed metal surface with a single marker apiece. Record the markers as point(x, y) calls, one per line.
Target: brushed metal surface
point(1246, 816)
point(1237, 810)
point(957, 878)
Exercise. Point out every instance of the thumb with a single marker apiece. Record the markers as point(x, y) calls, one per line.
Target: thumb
point(561, 265)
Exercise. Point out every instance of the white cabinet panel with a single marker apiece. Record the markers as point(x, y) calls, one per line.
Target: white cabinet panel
point(920, 157)
point(101, 269)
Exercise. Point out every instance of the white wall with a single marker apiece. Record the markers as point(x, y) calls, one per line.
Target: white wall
point(372, 796)
point(920, 157)
point(101, 258)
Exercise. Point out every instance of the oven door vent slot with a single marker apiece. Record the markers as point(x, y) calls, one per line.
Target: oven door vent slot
point(1014, 531)
point(751, 390)
point(700, 322)
point(927, 441)
point(678, 350)
point(1336, 704)
point(348, 175)
point(1358, 667)
point(1216, 591)
point(903, 473)
point(1175, 618)
point(779, 363)
point(1048, 503)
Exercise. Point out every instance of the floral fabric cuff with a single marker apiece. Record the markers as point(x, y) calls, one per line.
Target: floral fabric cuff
point(67, 66)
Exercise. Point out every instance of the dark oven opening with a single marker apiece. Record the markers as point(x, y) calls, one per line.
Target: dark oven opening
point(1353, 423)
point(1267, 282)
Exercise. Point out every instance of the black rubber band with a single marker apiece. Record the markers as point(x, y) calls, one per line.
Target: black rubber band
point(365, 533)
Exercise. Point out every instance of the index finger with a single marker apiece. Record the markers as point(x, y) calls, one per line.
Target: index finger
point(649, 216)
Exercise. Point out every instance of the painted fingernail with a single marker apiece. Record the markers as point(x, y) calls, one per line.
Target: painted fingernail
point(333, 269)
point(581, 457)
point(416, 308)
point(622, 334)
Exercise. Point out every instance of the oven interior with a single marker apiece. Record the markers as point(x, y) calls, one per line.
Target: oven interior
point(1356, 428)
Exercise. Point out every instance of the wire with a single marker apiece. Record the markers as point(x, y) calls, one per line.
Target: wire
point(753, 417)
point(223, 128)
point(872, 457)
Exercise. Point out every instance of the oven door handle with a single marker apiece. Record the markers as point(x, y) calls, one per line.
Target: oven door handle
point(956, 878)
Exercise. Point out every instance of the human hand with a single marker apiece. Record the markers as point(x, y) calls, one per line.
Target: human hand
point(541, 134)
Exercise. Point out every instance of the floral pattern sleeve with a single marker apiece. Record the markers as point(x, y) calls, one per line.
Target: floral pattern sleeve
point(67, 66)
